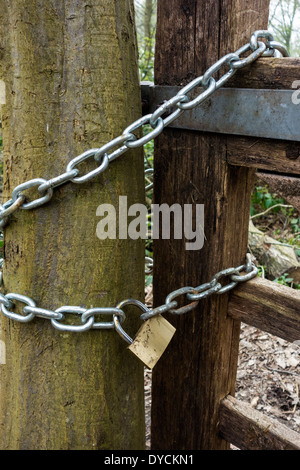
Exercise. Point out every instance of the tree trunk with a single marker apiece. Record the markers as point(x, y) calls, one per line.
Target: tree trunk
point(71, 76)
point(148, 32)
point(148, 12)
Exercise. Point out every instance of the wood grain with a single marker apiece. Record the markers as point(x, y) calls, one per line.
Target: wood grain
point(268, 306)
point(199, 367)
point(248, 429)
point(270, 73)
point(266, 154)
point(288, 187)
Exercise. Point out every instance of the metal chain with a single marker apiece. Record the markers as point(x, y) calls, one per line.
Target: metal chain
point(118, 146)
point(195, 294)
point(158, 120)
point(87, 316)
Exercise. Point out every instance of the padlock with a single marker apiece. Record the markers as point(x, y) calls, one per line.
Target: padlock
point(152, 338)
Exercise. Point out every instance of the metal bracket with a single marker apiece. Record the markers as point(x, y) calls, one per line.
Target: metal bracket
point(238, 111)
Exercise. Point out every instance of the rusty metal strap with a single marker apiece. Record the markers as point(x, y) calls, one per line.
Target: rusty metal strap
point(273, 114)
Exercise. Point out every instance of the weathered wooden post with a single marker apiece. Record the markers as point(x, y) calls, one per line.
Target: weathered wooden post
point(199, 367)
point(71, 75)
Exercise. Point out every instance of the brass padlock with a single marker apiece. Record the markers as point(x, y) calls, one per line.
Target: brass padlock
point(152, 338)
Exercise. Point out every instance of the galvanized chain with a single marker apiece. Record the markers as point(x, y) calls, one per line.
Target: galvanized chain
point(148, 265)
point(87, 316)
point(195, 294)
point(118, 146)
point(158, 120)
point(149, 171)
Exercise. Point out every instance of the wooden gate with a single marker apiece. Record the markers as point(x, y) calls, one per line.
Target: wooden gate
point(193, 404)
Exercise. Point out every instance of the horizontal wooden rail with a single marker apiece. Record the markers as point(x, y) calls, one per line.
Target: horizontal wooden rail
point(278, 74)
point(249, 429)
point(266, 154)
point(279, 156)
point(287, 186)
point(268, 306)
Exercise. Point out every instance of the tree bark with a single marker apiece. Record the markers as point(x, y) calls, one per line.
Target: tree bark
point(71, 76)
point(149, 5)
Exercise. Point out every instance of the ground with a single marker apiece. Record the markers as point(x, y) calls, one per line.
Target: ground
point(268, 375)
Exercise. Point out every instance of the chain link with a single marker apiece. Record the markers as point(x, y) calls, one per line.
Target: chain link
point(149, 172)
point(31, 311)
point(148, 265)
point(195, 294)
point(158, 120)
point(87, 316)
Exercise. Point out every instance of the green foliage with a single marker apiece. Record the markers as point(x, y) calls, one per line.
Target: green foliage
point(145, 12)
point(146, 60)
point(295, 223)
point(285, 280)
point(1, 149)
point(262, 199)
point(261, 271)
point(279, 217)
point(148, 151)
point(148, 164)
point(149, 280)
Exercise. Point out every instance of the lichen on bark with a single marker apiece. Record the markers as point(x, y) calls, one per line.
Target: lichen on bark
point(71, 75)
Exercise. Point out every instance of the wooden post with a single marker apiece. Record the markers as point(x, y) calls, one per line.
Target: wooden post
point(199, 366)
point(71, 75)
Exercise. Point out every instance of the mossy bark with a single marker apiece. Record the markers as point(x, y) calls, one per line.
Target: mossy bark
point(71, 75)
